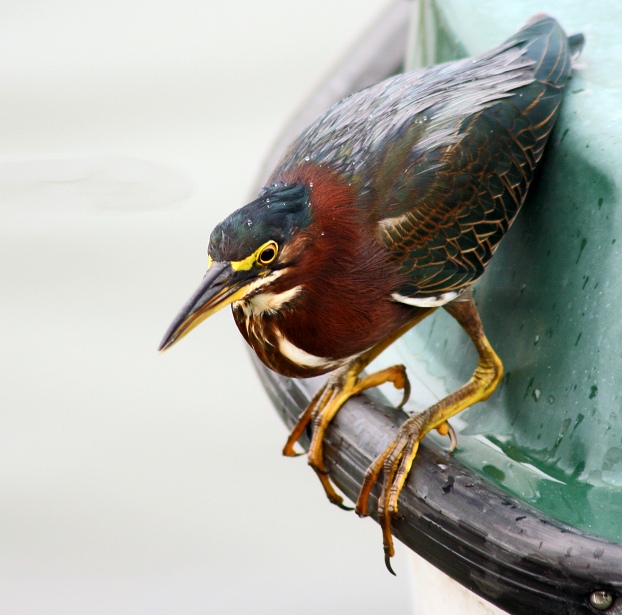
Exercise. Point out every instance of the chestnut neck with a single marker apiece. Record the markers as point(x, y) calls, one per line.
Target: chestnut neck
point(345, 304)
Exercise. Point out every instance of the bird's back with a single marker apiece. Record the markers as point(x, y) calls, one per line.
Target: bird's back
point(441, 158)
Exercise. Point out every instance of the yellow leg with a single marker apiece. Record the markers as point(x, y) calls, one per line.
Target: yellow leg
point(343, 384)
point(301, 424)
point(320, 399)
point(396, 460)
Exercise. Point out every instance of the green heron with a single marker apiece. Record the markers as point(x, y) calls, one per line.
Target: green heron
point(387, 207)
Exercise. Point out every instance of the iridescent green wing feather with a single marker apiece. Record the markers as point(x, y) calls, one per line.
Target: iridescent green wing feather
point(450, 225)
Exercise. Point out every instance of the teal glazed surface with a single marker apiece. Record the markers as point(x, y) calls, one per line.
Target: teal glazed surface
point(550, 299)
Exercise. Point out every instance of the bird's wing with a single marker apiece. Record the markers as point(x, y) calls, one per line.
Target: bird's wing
point(445, 224)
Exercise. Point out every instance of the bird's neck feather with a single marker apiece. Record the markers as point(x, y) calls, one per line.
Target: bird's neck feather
point(342, 270)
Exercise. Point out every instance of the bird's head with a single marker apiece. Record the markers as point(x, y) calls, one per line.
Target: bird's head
point(247, 253)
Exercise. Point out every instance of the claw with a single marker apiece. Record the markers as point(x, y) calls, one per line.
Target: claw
point(387, 563)
point(406, 387)
point(288, 453)
point(453, 439)
point(331, 494)
point(445, 429)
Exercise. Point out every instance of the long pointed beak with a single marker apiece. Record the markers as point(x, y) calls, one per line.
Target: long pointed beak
point(220, 287)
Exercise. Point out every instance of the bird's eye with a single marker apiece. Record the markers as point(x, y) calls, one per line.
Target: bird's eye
point(268, 253)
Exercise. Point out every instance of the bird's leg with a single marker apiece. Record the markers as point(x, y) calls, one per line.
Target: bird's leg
point(301, 424)
point(321, 400)
point(343, 384)
point(396, 460)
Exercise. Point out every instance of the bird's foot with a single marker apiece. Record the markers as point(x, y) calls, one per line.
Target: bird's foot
point(324, 406)
point(396, 460)
point(395, 463)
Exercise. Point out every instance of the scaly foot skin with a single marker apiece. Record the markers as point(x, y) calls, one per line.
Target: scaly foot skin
point(395, 463)
point(396, 460)
point(325, 405)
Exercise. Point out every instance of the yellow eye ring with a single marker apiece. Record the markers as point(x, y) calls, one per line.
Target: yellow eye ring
point(268, 253)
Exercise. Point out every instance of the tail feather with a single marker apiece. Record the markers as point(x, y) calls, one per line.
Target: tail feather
point(546, 44)
point(575, 44)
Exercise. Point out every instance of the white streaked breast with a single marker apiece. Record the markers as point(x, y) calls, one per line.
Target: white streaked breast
point(269, 302)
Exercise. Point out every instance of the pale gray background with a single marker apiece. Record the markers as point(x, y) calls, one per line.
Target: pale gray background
point(131, 482)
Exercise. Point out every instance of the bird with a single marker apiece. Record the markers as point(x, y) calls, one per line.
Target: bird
point(386, 208)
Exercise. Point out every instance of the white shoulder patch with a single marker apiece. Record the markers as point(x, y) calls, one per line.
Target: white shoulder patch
point(428, 302)
point(298, 356)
